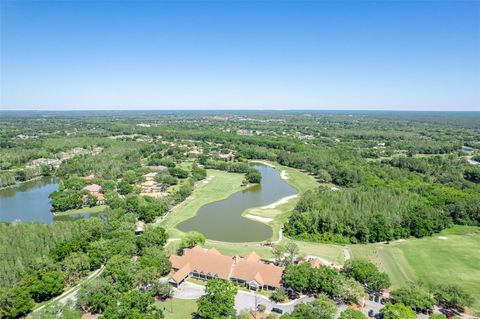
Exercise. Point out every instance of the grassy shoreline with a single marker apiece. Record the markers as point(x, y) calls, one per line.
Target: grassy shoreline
point(93, 210)
point(301, 181)
point(24, 182)
point(222, 185)
point(219, 185)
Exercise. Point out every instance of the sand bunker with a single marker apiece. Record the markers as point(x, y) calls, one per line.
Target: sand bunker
point(258, 218)
point(280, 202)
point(264, 163)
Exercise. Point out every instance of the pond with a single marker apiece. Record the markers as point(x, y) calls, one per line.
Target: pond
point(466, 149)
point(29, 201)
point(222, 220)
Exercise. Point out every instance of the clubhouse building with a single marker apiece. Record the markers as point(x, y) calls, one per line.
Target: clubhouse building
point(250, 271)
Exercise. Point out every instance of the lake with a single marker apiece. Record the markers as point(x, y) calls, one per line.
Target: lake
point(222, 220)
point(29, 201)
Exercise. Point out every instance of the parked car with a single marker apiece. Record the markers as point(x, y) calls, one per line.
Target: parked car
point(277, 310)
point(383, 301)
point(370, 297)
point(370, 313)
point(293, 295)
point(377, 299)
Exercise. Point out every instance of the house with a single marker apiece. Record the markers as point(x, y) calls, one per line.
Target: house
point(249, 271)
point(99, 196)
point(194, 152)
point(200, 263)
point(158, 168)
point(43, 161)
point(139, 227)
point(89, 178)
point(150, 176)
point(226, 157)
point(93, 188)
point(97, 150)
point(315, 262)
point(255, 274)
point(78, 150)
point(151, 187)
point(100, 199)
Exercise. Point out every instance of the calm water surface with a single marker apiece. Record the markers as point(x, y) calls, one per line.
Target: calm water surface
point(222, 220)
point(29, 202)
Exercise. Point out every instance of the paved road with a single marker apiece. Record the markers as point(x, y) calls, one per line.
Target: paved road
point(71, 294)
point(250, 300)
point(346, 254)
point(243, 300)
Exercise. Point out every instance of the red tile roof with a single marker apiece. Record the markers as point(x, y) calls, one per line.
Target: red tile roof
point(249, 269)
point(204, 261)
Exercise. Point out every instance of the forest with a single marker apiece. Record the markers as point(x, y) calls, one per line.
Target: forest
point(383, 176)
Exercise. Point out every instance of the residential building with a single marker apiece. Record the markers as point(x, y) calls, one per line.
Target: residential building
point(158, 168)
point(255, 274)
point(89, 178)
point(227, 157)
point(200, 263)
point(99, 196)
point(150, 176)
point(93, 188)
point(250, 271)
point(139, 227)
point(151, 187)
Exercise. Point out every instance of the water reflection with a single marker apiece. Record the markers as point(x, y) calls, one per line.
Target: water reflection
point(222, 220)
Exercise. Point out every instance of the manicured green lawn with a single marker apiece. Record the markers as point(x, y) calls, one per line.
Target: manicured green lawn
point(454, 259)
point(178, 308)
point(279, 215)
point(330, 252)
point(94, 209)
point(220, 186)
point(263, 252)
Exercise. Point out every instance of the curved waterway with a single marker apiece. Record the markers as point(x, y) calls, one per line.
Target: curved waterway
point(29, 202)
point(222, 220)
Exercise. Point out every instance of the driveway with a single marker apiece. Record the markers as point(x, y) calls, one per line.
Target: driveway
point(250, 300)
point(188, 290)
point(243, 299)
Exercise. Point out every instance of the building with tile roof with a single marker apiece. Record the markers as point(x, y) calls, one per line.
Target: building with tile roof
point(255, 274)
point(250, 271)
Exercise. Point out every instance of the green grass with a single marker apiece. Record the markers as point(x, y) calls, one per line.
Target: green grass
point(263, 252)
point(330, 252)
point(182, 308)
point(279, 215)
point(454, 260)
point(221, 186)
point(94, 209)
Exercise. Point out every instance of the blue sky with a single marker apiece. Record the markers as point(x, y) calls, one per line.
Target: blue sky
point(416, 55)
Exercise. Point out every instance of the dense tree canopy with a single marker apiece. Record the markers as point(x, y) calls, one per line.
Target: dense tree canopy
point(366, 273)
point(320, 308)
point(397, 311)
point(218, 301)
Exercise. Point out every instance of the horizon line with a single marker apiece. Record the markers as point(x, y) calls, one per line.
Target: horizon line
point(236, 109)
